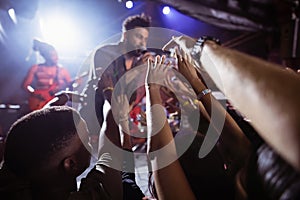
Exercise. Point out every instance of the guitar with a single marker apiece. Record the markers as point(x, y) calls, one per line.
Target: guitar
point(40, 97)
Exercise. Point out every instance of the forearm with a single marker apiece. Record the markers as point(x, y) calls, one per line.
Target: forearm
point(170, 183)
point(125, 134)
point(261, 91)
point(166, 176)
point(234, 143)
point(159, 132)
point(106, 86)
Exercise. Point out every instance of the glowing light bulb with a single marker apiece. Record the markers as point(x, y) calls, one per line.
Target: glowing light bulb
point(166, 10)
point(129, 4)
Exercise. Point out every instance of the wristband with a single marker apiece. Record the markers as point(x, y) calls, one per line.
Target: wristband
point(200, 43)
point(203, 93)
point(108, 88)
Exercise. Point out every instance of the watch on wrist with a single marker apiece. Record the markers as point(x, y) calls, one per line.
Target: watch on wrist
point(196, 51)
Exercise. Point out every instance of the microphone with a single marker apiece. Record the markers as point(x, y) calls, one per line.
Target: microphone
point(142, 50)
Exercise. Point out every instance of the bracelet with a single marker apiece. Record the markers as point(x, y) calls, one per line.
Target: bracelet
point(200, 43)
point(108, 88)
point(203, 93)
point(123, 119)
point(196, 51)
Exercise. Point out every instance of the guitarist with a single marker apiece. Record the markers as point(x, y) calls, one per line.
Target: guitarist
point(45, 79)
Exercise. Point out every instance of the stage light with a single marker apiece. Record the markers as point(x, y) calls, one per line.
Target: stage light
point(12, 15)
point(129, 4)
point(60, 31)
point(166, 10)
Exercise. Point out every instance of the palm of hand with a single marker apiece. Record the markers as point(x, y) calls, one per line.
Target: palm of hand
point(157, 71)
point(120, 107)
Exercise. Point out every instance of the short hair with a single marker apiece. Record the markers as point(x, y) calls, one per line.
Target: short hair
point(36, 136)
point(134, 21)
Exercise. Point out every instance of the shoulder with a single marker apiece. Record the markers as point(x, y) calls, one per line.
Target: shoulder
point(109, 49)
point(35, 66)
point(61, 68)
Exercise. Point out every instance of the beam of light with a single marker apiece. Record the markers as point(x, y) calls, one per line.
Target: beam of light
point(61, 32)
point(2, 33)
point(166, 10)
point(129, 4)
point(12, 15)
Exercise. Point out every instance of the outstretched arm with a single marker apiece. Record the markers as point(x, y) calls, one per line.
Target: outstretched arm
point(168, 178)
point(234, 144)
point(263, 92)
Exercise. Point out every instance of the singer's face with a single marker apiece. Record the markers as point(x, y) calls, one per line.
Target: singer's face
point(136, 38)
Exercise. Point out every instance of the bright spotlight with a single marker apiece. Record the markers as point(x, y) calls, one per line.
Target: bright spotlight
point(129, 4)
point(166, 10)
point(12, 15)
point(60, 32)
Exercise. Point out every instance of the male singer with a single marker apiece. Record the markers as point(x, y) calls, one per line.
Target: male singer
point(121, 57)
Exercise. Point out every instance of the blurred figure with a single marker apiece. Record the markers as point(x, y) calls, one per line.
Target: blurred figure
point(44, 153)
point(191, 177)
point(46, 150)
point(45, 79)
point(119, 59)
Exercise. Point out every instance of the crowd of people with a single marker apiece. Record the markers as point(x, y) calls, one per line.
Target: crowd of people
point(211, 155)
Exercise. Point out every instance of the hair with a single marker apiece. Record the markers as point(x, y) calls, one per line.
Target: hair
point(42, 47)
point(134, 21)
point(269, 176)
point(36, 136)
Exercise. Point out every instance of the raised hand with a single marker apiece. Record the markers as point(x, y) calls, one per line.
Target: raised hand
point(188, 70)
point(185, 66)
point(156, 71)
point(144, 58)
point(184, 42)
point(182, 90)
point(120, 110)
point(120, 107)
